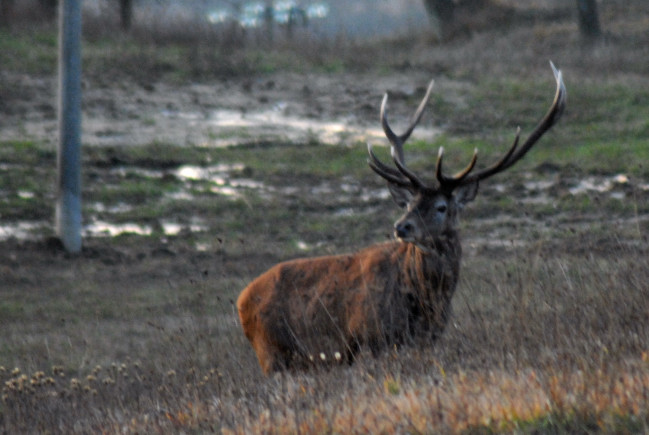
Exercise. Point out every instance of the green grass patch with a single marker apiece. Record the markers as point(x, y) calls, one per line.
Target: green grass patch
point(26, 152)
point(32, 52)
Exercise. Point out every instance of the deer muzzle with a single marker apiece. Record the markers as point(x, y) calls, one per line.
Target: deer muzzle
point(404, 230)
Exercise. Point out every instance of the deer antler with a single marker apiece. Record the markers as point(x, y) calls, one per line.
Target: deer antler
point(514, 153)
point(401, 176)
point(404, 177)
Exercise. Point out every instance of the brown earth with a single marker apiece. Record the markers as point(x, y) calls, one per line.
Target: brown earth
point(281, 107)
point(285, 106)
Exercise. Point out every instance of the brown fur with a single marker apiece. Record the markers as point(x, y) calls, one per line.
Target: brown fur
point(382, 295)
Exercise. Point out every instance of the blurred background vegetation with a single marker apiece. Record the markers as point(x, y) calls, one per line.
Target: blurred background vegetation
point(329, 19)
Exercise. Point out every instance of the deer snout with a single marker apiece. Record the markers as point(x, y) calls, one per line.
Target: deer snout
point(404, 230)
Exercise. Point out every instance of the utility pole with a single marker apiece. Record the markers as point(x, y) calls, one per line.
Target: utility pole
point(126, 14)
point(68, 197)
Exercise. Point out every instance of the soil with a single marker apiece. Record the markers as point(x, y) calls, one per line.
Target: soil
point(279, 107)
point(289, 107)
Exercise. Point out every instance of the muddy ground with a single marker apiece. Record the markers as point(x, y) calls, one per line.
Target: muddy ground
point(274, 109)
point(328, 108)
point(281, 108)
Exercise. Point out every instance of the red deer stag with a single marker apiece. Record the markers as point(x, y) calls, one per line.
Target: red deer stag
point(326, 308)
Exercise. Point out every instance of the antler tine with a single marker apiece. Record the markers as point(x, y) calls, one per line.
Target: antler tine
point(416, 182)
point(404, 176)
point(496, 167)
point(455, 180)
point(390, 174)
point(397, 141)
point(514, 154)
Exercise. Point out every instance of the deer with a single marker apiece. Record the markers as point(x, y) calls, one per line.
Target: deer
point(327, 308)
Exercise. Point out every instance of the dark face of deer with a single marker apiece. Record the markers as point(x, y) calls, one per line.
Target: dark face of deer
point(429, 212)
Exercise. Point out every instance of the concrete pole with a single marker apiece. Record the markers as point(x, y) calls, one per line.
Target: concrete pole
point(68, 200)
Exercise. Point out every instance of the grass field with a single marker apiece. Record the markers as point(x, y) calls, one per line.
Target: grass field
point(139, 333)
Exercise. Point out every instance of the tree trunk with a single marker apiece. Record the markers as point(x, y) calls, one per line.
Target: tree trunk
point(126, 14)
point(49, 8)
point(6, 12)
point(269, 22)
point(441, 14)
point(589, 27)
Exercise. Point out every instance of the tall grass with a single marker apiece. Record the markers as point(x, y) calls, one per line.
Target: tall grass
point(550, 324)
point(539, 340)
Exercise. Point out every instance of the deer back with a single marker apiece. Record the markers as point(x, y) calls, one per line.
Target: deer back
point(327, 306)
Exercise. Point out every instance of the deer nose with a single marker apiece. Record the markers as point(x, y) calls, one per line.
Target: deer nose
point(403, 229)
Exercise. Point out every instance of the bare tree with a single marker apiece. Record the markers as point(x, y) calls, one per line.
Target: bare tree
point(452, 17)
point(589, 27)
point(441, 14)
point(6, 12)
point(49, 8)
point(126, 13)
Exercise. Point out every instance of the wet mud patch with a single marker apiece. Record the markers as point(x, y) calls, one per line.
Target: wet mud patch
point(286, 107)
point(277, 160)
point(200, 193)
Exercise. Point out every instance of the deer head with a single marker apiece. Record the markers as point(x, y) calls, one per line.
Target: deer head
point(431, 211)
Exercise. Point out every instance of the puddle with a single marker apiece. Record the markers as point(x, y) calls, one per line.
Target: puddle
point(541, 191)
point(100, 228)
point(117, 208)
point(216, 173)
point(277, 123)
point(346, 198)
point(129, 171)
point(22, 230)
point(601, 185)
point(24, 194)
point(534, 186)
point(225, 184)
point(597, 184)
point(220, 176)
point(174, 228)
point(302, 246)
point(106, 229)
point(231, 127)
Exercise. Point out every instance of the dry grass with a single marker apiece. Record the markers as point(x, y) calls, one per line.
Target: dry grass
point(549, 335)
point(540, 340)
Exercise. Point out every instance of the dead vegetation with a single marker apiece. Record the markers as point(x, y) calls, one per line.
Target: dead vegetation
point(549, 325)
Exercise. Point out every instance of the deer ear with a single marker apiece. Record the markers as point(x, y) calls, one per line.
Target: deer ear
point(401, 195)
point(467, 193)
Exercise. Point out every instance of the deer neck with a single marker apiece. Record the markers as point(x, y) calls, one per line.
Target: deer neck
point(434, 263)
point(431, 276)
point(446, 246)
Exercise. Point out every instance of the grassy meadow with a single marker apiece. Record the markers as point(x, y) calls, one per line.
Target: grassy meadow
point(139, 332)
